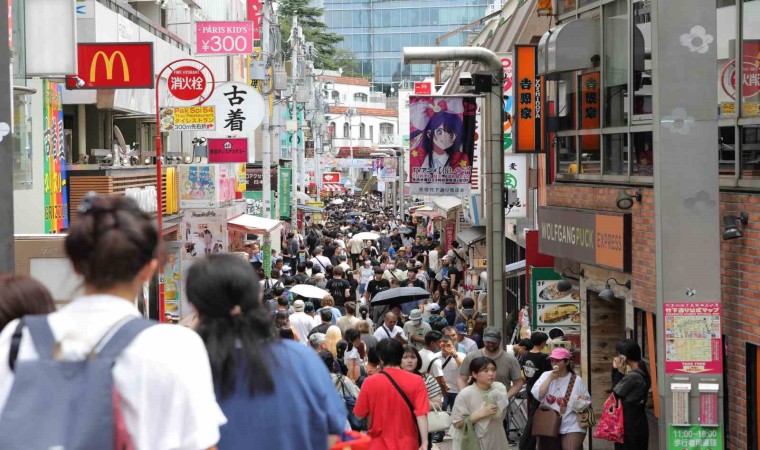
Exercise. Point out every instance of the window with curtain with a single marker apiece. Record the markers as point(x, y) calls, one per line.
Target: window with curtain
point(336, 95)
point(345, 130)
point(360, 97)
point(332, 129)
point(362, 131)
point(386, 129)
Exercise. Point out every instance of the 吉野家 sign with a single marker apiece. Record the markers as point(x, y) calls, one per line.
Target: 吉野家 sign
point(693, 338)
point(127, 65)
point(527, 98)
point(594, 237)
point(230, 150)
point(224, 38)
point(187, 118)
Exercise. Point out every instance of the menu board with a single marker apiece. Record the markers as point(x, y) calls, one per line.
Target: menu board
point(551, 307)
point(693, 341)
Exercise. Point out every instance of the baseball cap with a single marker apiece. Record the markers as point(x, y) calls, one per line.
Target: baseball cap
point(560, 353)
point(308, 307)
point(491, 334)
point(383, 232)
point(434, 307)
point(447, 257)
point(298, 305)
point(415, 315)
point(367, 262)
point(461, 328)
point(418, 264)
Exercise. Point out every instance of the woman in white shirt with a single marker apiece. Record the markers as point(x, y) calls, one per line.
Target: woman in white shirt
point(367, 273)
point(353, 359)
point(552, 389)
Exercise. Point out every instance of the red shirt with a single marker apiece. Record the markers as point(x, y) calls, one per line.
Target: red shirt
point(391, 426)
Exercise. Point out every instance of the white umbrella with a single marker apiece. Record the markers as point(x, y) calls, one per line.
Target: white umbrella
point(308, 291)
point(366, 236)
point(302, 196)
point(337, 201)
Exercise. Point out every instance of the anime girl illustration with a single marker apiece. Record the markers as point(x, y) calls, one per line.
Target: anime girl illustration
point(437, 134)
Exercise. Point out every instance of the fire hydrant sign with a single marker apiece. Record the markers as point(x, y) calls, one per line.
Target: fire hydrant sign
point(234, 150)
point(187, 83)
point(187, 118)
point(224, 38)
point(693, 339)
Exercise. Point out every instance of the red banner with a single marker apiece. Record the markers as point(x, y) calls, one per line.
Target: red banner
point(253, 14)
point(114, 66)
point(234, 150)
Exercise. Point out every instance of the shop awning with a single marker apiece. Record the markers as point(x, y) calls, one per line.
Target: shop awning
point(574, 45)
point(472, 234)
point(254, 224)
point(446, 204)
point(333, 187)
point(426, 211)
point(310, 209)
point(514, 269)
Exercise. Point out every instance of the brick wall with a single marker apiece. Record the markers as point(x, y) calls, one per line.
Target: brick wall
point(740, 279)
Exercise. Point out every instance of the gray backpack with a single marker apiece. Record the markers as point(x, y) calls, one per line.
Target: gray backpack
point(66, 405)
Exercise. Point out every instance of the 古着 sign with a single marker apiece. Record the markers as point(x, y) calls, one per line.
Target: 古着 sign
point(594, 237)
point(239, 109)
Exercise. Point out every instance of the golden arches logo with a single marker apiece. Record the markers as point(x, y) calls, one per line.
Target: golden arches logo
point(109, 61)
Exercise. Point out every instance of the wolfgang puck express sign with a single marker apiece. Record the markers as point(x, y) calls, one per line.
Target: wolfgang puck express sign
point(593, 237)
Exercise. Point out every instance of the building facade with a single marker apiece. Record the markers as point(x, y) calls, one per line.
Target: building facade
point(375, 32)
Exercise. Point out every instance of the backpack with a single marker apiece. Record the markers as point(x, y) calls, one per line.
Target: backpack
point(72, 405)
point(311, 238)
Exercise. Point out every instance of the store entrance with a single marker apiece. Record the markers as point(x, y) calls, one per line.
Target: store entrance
point(606, 326)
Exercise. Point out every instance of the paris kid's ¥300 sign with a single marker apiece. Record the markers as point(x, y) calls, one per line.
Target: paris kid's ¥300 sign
point(114, 66)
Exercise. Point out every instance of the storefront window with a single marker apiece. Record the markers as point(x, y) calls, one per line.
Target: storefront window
point(565, 6)
point(727, 151)
point(567, 157)
point(750, 145)
point(641, 11)
point(590, 154)
point(751, 56)
point(616, 154)
point(565, 108)
point(726, 47)
point(643, 155)
point(615, 63)
point(22, 142)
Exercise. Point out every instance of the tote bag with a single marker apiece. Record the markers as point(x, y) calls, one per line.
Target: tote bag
point(610, 426)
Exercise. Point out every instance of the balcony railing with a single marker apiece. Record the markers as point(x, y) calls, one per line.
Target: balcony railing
point(124, 9)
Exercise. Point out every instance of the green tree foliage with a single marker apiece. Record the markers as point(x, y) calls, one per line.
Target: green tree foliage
point(328, 56)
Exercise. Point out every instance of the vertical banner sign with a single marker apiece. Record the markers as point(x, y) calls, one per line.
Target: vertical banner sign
point(450, 231)
point(506, 64)
point(693, 339)
point(516, 177)
point(267, 250)
point(527, 97)
point(442, 138)
point(253, 14)
point(224, 38)
point(286, 178)
point(590, 110)
point(54, 167)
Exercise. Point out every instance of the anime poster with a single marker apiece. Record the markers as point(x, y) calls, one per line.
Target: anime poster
point(197, 186)
point(442, 142)
point(56, 197)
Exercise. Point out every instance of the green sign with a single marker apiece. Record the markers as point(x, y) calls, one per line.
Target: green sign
point(267, 256)
point(286, 178)
point(254, 203)
point(695, 437)
point(540, 279)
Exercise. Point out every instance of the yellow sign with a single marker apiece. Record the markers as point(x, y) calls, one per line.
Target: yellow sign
point(108, 61)
point(751, 109)
point(727, 108)
point(188, 118)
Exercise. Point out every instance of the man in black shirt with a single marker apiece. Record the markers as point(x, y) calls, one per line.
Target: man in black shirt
point(339, 288)
point(301, 277)
point(535, 363)
point(326, 316)
point(395, 237)
point(418, 248)
point(329, 249)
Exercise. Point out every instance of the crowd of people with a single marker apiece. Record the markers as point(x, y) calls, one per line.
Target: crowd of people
point(261, 363)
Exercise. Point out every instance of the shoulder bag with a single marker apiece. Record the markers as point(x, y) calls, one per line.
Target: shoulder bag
point(408, 403)
point(546, 421)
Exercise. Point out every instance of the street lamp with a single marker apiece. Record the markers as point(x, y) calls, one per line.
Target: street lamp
point(494, 161)
point(350, 114)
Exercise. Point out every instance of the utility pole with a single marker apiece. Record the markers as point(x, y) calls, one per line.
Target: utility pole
point(294, 44)
point(7, 253)
point(266, 138)
point(494, 162)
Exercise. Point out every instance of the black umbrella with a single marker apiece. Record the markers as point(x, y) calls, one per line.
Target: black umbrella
point(397, 296)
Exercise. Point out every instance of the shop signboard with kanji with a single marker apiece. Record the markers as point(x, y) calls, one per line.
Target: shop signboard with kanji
point(589, 85)
point(286, 178)
point(253, 12)
point(228, 150)
point(239, 109)
point(695, 437)
point(516, 177)
point(188, 118)
point(186, 83)
point(423, 88)
point(693, 340)
point(442, 145)
point(527, 100)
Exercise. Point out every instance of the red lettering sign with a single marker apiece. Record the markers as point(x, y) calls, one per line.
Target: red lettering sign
point(253, 14)
point(234, 150)
point(114, 66)
point(423, 88)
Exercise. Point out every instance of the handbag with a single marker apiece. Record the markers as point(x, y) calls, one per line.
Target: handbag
point(438, 420)
point(610, 427)
point(350, 401)
point(546, 421)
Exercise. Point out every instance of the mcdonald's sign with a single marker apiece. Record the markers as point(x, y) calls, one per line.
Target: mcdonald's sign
point(114, 66)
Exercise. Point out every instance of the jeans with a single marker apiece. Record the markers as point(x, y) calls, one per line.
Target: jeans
point(448, 400)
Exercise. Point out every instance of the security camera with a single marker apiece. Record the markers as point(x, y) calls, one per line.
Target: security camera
point(465, 79)
point(80, 82)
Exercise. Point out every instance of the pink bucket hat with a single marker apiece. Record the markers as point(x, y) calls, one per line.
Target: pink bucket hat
point(560, 353)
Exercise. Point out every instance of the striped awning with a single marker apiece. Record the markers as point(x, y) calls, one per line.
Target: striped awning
point(333, 187)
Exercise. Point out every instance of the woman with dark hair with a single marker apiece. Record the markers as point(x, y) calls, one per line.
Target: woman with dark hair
point(631, 383)
point(477, 331)
point(352, 358)
point(481, 406)
point(21, 295)
point(412, 362)
point(558, 389)
point(444, 293)
point(246, 360)
point(354, 286)
point(165, 396)
point(282, 326)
